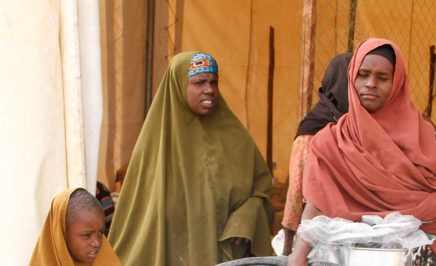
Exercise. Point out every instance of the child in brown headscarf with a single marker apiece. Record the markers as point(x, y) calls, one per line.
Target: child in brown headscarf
point(73, 233)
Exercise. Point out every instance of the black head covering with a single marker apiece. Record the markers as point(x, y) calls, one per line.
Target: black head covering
point(386, 51)
point(333, 97)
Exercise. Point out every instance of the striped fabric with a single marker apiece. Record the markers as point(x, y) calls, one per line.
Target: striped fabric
point(104, 196)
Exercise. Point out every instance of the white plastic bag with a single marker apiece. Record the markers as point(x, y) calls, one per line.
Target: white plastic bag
point(338, 235)
point(278, 242)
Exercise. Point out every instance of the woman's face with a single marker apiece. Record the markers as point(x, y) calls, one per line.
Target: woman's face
point(202, 93)
point(374, 82)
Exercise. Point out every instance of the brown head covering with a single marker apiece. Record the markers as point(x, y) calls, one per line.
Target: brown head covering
point(51, 248)
point(375, 163)
point(333, 99)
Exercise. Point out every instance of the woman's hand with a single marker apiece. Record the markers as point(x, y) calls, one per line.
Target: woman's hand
point(299, 255)
point(295, 260)
point(301, 248)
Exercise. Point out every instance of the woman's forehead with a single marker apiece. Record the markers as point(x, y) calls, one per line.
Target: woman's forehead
point(376, 63)
point(204, 75)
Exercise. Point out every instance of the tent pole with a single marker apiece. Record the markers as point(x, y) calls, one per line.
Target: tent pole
point(351, 29)
point(307, 56)
point(269, 142)
point(149, 42)
point(428, 110)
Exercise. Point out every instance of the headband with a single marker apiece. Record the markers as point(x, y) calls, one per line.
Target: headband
point(202, 63)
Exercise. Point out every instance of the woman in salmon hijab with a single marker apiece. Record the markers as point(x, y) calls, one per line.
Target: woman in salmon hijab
point(379, 157)
point(73, 233)
point(197, 190)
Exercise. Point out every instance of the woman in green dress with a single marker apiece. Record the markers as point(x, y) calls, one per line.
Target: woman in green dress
point(197, 190)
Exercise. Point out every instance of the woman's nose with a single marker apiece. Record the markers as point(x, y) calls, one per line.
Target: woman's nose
point(208, 89)
point(370, 82)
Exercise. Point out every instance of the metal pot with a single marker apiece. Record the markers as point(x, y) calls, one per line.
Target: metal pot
point(377, 257)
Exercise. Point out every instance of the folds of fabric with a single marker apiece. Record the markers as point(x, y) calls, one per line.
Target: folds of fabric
point(192, 183)
point(72, 92)
point(51, 248)
point(91, 84)
point(333, 103)
point(294, 197)
point(41, 147)
point(375, 163)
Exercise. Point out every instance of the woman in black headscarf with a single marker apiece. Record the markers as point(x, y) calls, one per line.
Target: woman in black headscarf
point(332, 104)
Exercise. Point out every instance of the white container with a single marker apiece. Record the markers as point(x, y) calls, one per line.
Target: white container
point(377, 257)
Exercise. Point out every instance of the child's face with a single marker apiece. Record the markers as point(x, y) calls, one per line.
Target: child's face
point(84, 235)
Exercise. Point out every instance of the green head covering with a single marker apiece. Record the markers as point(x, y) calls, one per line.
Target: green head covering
point(192, 183)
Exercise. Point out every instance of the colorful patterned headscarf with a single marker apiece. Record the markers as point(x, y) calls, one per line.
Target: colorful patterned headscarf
point(202, 63)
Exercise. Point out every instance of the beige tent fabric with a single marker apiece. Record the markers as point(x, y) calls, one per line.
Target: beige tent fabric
point(32, 137)
point(91, 85)
point(41, 136)
point(71, 83)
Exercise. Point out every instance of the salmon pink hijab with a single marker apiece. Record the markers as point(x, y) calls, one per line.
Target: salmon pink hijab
point(375, 163)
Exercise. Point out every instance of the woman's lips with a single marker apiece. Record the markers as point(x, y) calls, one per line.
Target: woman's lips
point(207, 103)
point(368, 96)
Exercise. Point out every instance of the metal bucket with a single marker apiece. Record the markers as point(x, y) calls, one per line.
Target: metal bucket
point(258, 261)
point(377, 257)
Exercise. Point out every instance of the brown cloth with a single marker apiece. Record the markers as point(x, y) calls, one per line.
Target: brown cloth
point(333, 99)
point(375, 163)
point(51, 248)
